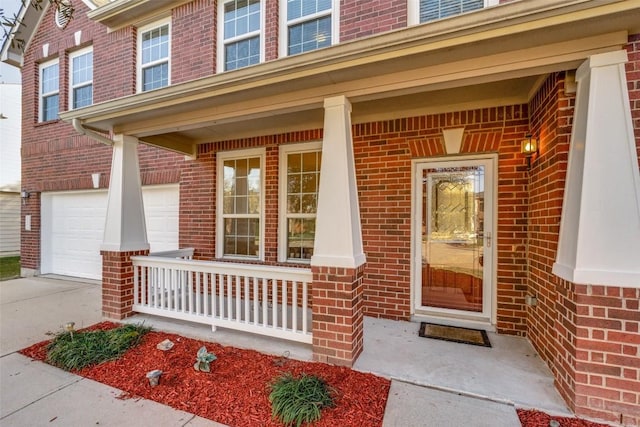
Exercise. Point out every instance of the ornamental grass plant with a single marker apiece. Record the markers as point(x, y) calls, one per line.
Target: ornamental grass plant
point(73, 351)
point(295, 401)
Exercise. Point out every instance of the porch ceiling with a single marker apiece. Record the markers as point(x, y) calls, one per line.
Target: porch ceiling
point(494, 57)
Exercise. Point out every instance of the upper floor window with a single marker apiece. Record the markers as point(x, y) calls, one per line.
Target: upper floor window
point(420, 11)
point(49, 90)
point(154, 47)
point(299, 181)
point(309, 25)
point(240, 205)
point(241, 34)
point(81, 78)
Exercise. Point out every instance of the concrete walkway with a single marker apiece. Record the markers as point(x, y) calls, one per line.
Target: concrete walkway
point(35, 394)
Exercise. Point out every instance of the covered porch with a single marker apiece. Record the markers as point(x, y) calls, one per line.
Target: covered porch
point(451, 67)
point(509, 372)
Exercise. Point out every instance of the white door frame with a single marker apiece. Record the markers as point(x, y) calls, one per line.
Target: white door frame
point(486, 319)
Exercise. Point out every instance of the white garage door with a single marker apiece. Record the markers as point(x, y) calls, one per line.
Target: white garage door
point(73, 228)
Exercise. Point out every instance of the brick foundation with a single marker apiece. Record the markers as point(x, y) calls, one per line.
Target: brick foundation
point(337, 314)
point(117, 283)
point(607, 354)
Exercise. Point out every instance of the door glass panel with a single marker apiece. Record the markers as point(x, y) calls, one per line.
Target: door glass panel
point(452, 237)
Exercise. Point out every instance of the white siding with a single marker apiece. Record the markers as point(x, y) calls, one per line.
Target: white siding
point(10, 107)
point(9, 224)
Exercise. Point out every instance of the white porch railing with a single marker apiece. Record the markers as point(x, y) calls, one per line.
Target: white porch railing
point(186, 253)
point(266, 300)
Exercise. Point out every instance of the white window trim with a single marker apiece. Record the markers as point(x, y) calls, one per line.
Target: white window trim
point(282, 196)
point(141, 31)
point(230, 155)
point(283, 37)
point(413, 10)
point(73, 55)
point(220, 59)
point(41, 94)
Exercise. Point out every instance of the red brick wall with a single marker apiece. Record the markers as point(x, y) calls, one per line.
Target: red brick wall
point(114, 62)
point(117, 283)
point(607, 378)
point(272, 12)
point(362, 18)
point(54, 156)
point(383, 154)
point(338, 334)
point(193, 41)
point(550, 323)
point(588, 335)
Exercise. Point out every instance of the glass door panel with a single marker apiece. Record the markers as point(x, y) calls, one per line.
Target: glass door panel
point(453, 236)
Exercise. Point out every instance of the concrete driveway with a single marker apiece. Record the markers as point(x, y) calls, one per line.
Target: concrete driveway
point(31, 309)
point(36, 394)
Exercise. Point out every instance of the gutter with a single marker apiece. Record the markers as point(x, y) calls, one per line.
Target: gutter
point(77, 125)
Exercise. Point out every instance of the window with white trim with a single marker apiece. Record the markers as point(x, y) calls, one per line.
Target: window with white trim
point(420, 11)
point(299, 181)
point(240, 205)
point(240, 34)
point(81, 78)
point(308, 25)
point(154, 50)
point(49, 91)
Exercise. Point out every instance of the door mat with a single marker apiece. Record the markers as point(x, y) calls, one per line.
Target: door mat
point(455, 334)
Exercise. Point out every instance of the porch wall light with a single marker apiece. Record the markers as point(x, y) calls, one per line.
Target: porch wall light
point(529, 147)
point(24, 195)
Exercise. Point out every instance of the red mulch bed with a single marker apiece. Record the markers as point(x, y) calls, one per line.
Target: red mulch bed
point(236, 391)
point(532, 418)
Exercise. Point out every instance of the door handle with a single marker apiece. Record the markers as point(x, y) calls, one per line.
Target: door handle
point(487, 238)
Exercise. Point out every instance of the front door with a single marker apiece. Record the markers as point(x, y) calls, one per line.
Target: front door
point(454, 223)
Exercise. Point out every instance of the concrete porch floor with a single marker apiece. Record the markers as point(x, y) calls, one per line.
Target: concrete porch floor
point(509, 372)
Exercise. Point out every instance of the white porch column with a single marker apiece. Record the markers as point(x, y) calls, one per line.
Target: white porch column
point(125, 229)
point(338, 241)
point(600, 226)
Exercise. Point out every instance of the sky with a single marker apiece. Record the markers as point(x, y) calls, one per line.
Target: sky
point(9, 74)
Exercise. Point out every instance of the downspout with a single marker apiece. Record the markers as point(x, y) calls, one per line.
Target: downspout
point(77, 125)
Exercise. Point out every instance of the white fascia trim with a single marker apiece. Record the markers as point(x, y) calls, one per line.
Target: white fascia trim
point(141, 30)
point(238, 154)
point(413, 10)
point(282, 193)
point(91, 5)
point(30, 18)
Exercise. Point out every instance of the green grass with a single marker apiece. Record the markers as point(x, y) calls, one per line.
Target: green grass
point(77, 350)
point(299, 400)
point(9, 267)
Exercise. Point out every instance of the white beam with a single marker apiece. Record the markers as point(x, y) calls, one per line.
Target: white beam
point(125, 228)
point(600, 227)
point(338, 241)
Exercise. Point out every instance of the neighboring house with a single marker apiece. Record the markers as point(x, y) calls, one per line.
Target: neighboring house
point(10, 122)
point(348, 158)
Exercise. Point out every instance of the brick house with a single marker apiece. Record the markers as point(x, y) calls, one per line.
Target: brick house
point(472, 163)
